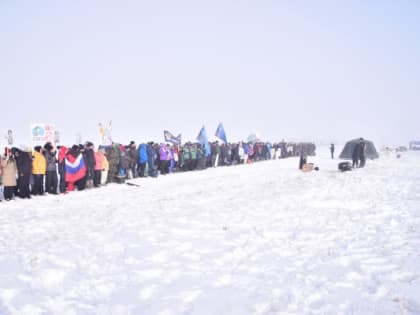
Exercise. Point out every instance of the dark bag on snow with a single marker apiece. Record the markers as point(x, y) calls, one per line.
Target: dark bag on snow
point(344, 166)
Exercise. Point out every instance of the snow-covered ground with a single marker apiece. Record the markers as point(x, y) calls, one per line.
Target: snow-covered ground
point(250, 239)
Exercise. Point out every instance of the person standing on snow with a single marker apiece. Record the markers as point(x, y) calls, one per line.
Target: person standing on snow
point(163, 159)
point(151, 159)
point(24, 166)
point(332, 148)
point(133, 154)
point(97, 173)
point(142, 160)
point(51, 179)
point(355, 155)
point(362, 153)
point(62, 168)
point(105, 166)
point(302, 160)
point(39, 168)
point(8, 169)
point(113, 157)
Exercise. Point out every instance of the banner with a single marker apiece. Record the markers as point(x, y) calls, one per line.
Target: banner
point(220, 133)
point(56, 137)
point(7, 139)
point(105, 133)
point(202, 139)
point(169, 137)
point(42, 133)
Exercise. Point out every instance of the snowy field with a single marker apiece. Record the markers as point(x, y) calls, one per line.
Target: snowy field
point(251, 239)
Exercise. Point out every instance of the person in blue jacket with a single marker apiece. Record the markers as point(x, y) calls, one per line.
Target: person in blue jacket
point(151, 158)
point(142, 160)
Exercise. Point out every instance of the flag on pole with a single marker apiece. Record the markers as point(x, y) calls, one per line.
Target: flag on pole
point(220, 133)
point(169, 137)
point(105, 133)
point(202, 139)
point(101, 133)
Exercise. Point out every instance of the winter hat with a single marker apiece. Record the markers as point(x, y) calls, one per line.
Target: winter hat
point(48, 146)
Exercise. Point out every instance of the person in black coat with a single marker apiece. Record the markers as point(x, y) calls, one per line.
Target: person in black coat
point(90, 163)
point(24, 167)
point(302, 160)
point(134, 157)
point(362, 153)
point(355, 155)
point(332, 148)
point(62, 168)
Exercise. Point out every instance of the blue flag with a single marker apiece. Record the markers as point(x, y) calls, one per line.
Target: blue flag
point(202, 139)
point(169, 137)
point(220, 133)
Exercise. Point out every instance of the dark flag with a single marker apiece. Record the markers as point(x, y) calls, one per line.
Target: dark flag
point(169, 137)
point(220, 133)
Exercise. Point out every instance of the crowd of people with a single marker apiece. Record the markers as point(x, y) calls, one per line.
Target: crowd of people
point(50, 169)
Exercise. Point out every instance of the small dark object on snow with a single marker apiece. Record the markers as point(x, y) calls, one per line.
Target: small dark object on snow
point(133, 184)
point(316, 168)
point(120, 179)
point(344, 166)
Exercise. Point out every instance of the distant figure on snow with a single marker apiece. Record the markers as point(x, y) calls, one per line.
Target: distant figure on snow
point(355, 155)
point(302, 160)
point(332, 150)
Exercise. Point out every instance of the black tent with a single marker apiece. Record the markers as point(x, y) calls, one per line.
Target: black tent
point(347, 152)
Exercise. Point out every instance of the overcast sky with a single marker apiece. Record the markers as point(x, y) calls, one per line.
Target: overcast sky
point(312, 70)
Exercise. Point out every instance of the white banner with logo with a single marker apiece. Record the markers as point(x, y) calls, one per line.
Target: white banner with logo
point(42, 133)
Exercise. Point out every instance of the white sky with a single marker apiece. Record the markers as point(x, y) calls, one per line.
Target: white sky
point(288, 69)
